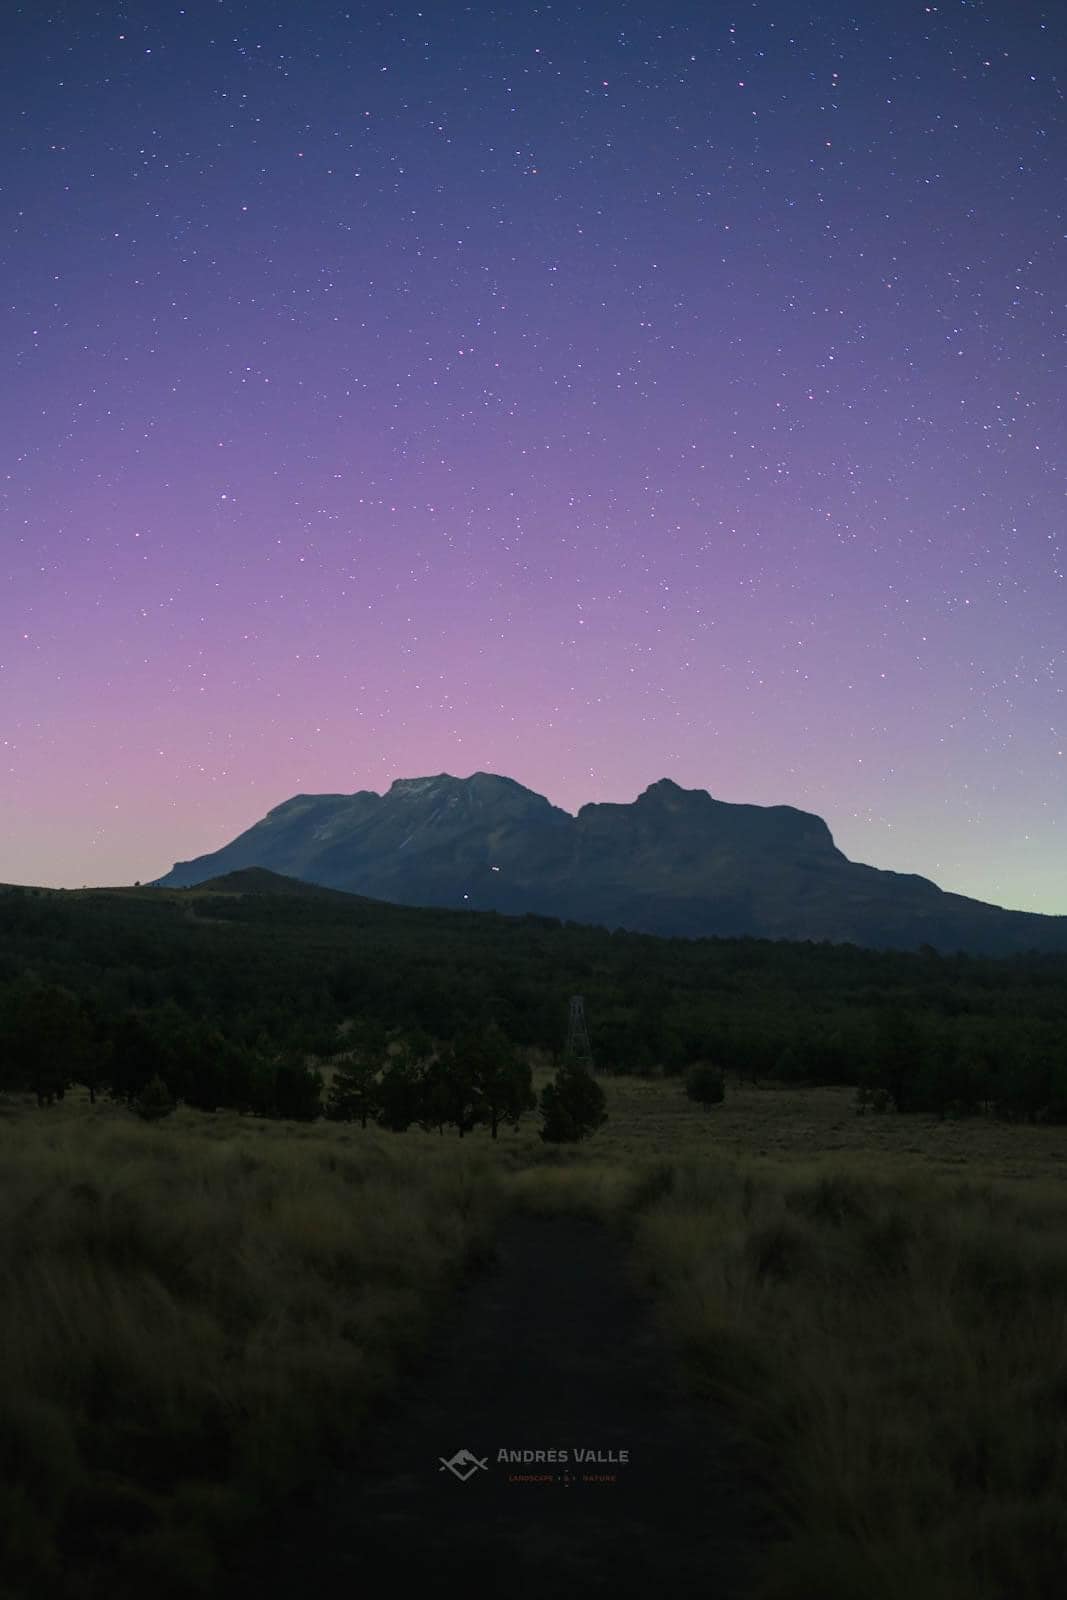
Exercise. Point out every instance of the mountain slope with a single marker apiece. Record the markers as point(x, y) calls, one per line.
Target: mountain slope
point(675, 861)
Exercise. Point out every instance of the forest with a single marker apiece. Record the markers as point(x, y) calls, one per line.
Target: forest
point(223, 998)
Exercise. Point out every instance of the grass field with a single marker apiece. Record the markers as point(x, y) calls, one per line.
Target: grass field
point(193, 1316)
point(652, 1117)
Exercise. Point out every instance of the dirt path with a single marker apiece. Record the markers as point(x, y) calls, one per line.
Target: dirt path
point(549, 1349)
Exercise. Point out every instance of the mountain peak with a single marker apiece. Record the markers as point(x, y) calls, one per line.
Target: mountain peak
point(479, 790)
point(666, 791)
point(416, 786)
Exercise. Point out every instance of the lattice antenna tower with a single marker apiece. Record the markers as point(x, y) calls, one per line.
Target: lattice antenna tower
point(579, 1052)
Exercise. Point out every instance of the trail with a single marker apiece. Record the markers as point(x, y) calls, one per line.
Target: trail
point(550, 1348)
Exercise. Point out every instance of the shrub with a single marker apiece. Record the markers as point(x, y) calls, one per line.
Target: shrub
point(705, 1084)
point(572, 1106)
point(154, 1100)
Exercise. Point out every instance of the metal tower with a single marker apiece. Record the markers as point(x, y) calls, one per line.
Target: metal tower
point(578, 1052)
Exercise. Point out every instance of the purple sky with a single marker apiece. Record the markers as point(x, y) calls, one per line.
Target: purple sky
point(590, 394)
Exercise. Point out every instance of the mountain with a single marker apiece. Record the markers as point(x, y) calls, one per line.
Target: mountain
point(675, 861)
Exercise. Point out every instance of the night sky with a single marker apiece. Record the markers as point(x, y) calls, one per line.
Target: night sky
point(586, 393)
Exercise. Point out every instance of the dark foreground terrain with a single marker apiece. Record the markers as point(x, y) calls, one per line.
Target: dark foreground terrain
point(230, 1334)
point(549, 1349)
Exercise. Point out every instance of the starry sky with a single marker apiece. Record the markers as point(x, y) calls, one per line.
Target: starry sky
point(586, 393)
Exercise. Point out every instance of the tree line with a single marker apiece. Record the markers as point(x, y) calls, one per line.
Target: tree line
point(50, 1042)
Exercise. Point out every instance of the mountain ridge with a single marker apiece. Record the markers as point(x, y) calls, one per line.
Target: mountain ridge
point(673, 861)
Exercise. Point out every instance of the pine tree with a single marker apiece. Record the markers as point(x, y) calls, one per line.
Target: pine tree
point(572, 1106)
point(354, 1092)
